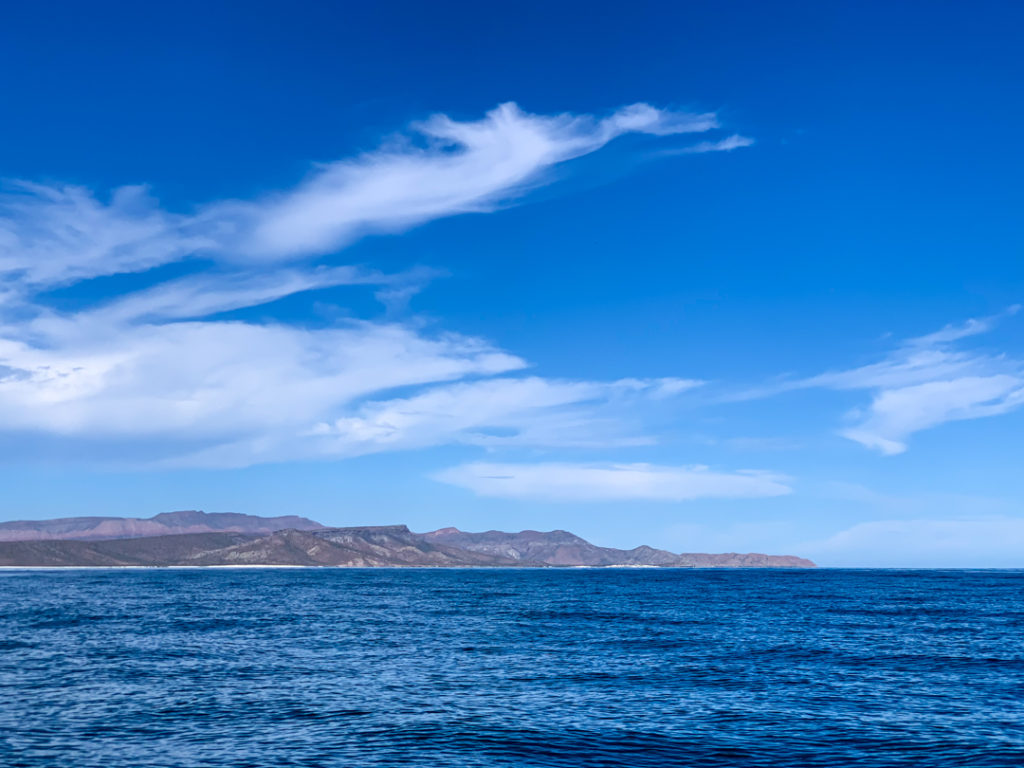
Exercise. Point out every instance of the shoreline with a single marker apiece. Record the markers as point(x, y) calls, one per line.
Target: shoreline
point(414, 567)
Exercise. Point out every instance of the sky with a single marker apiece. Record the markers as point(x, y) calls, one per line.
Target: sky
point(712, 277)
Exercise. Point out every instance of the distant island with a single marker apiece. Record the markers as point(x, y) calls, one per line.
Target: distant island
point(195, 538)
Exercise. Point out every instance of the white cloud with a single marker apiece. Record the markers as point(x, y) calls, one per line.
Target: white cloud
point(971, 327)
point(988, 542)
point(157, 364)
point(221, 380)
point(56, 235)
point(489, 413)
point(658, 388)
point(503, 411)
point(727, 144)
point(207, 294)
point(895, 414)
point(465, 167)
point(923, 383)
point(611, 482)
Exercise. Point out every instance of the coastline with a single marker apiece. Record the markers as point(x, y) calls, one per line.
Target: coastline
point(410, 567)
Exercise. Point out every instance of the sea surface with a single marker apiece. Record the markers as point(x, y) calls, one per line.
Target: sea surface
point(579, 667)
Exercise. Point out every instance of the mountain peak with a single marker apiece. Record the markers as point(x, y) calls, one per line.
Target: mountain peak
point(163, 524)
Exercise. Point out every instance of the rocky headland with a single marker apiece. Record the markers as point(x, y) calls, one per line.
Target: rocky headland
point(199, 539)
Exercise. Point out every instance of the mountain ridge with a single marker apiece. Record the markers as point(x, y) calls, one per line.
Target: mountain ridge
point(560, 547)
point(95, 528)
point(355, 546)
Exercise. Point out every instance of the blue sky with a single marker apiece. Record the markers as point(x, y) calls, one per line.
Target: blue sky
point(707, 276)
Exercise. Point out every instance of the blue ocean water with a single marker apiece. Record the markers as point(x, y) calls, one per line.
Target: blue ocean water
point(435, 668)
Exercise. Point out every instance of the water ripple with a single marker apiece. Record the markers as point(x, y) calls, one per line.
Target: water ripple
point(651, 668)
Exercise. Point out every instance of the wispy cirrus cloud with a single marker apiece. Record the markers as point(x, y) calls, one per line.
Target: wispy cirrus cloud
point(896, 414)
point(558, 481)
point(727, 144)
point(211, 293)
point(56, 235)
point(162, 363)
point(922, 383)
point(465, 167)
point(221, 380)
point(502, 411)
point(927, 382)
point(254, 393)
point(60, 235)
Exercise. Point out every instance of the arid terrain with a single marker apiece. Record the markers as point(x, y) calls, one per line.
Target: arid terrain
point(196, 538)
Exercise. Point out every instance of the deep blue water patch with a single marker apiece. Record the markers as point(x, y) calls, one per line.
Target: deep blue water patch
point(637, 668)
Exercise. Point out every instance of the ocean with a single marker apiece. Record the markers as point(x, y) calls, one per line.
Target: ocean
point(533, 667)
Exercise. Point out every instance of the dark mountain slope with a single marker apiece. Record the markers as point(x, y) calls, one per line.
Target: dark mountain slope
point(367, 547)
point(156, 550)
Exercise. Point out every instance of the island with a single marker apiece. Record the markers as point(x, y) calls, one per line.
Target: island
point(196, 538)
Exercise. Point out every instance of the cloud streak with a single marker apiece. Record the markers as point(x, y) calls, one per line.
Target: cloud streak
point(464, 168)
point(727, 144)
point(59, 235)
point(612, 482)
point(56, 235)
point(923, 383)
point(162, 362)
point(221, 379)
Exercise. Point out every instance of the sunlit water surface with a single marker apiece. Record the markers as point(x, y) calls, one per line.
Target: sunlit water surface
point(192, 668)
